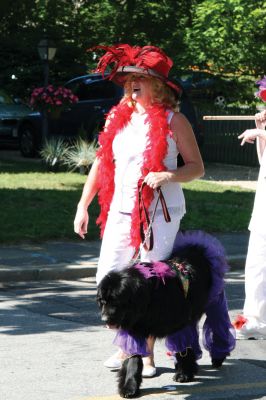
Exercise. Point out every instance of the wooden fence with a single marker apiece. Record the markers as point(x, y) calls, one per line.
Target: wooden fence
point(220, 138)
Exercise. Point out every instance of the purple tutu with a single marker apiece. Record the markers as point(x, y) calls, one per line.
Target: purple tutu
point(131, 344)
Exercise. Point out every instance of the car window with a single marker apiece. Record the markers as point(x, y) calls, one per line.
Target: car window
point(5, 98)
point(88, 90)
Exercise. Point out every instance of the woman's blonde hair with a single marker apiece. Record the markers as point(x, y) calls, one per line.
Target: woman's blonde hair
point(160, 92)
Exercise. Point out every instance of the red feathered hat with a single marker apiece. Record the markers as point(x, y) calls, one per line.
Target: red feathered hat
point(124, 59)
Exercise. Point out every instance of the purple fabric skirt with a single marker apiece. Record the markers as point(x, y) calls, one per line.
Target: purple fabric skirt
point(131, 344)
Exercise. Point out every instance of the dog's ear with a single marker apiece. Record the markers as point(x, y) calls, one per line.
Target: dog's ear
point(108, 287)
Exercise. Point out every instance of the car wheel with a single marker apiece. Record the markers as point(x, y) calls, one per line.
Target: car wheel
point(27, 141)
point(220, 101)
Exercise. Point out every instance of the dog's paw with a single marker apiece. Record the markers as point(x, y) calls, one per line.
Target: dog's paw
point(183, 378)
point(217, 362)
point(129, 377)
point(186, 366)
point(129, 391)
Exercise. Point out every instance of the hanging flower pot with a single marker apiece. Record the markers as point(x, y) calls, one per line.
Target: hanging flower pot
point(55, 113)
point(52, 100)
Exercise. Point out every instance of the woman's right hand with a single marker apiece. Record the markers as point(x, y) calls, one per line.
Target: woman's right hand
point(81, 222)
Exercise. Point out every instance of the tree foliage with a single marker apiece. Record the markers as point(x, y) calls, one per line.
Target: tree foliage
point(225, 35)
point(229, 35)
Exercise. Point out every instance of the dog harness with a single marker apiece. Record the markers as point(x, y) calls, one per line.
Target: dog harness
point(171, 269)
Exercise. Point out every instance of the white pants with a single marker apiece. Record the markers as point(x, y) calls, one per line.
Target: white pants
point(255, 283)
point(116, 252)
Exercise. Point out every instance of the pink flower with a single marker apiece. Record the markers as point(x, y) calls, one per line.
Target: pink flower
point(50, 98)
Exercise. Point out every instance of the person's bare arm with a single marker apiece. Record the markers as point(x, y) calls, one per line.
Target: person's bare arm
point(90, 187)
point(89, 191)
point(187, 145)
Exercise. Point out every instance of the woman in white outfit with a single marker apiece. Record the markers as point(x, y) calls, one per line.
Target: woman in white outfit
point(252, 324)
point(139, 145)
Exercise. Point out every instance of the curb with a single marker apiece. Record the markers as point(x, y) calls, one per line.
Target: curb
point(62, 271)
point(237, 262)
point(48, 272)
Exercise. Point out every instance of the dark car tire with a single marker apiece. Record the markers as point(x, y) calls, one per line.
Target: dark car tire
point(27, 141)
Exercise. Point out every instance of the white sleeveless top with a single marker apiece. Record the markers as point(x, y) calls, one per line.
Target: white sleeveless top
point(258, 218)
point(128, 147)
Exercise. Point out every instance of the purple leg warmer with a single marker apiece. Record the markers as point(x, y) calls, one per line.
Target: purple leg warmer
point(184, 338)
point(218, 332)
point(131, 344)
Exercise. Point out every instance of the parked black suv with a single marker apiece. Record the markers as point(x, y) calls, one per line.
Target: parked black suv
point(96, 97)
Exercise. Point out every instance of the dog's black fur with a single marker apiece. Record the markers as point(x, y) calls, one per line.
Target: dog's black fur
point(155, 307)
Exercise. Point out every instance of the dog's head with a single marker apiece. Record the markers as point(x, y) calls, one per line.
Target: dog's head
point(123, 298)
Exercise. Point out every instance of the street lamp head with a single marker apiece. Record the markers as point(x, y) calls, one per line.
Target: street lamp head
point(46, 49)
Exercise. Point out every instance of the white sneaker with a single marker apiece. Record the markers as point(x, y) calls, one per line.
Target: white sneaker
point(248, 334)
point(149, 371)
point(115, 361)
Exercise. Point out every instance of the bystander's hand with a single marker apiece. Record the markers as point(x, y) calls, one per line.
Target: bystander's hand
point(250, 135)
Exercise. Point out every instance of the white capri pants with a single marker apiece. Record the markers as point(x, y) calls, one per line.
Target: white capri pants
point(116, 251)
point(255, 283)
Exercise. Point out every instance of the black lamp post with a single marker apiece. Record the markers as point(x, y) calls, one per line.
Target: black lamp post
point(46, 50)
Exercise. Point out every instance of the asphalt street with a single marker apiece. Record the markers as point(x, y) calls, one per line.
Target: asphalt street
point(53, 345)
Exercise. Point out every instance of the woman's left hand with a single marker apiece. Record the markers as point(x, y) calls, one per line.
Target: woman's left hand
point(156, 179)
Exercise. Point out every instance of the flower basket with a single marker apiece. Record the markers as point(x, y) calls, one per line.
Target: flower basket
point(52, 99)
point(56, 113)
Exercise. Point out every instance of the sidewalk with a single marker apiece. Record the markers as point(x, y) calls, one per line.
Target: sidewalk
point(78, 259)
point(74, 260)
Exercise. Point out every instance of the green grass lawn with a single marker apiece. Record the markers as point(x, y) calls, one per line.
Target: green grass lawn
point(37, 205)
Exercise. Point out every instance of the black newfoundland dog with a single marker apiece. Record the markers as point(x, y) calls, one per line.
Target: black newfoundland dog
point(167, 299)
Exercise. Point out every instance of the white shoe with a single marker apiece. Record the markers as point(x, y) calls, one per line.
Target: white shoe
point(249, 334)
point(115, 361)
point(149, 371)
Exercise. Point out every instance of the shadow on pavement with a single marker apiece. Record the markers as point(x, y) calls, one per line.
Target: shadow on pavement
point(53, 306)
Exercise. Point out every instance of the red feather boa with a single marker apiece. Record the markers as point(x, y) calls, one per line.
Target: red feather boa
point(153, 157)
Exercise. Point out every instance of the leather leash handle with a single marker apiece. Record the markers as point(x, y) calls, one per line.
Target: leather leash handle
point(149, 246)
point(164, 206)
